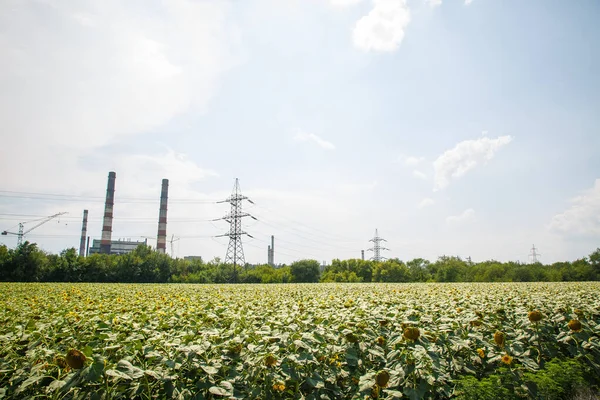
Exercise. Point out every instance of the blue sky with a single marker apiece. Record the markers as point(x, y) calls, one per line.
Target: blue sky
point(456, 128)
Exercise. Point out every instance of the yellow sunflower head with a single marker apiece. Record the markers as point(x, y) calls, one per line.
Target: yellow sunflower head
point(481, 353)
point(575, 325)
point(506, 359)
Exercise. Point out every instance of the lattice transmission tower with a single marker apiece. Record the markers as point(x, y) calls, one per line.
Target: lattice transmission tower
point(377, 248)
point(534, 255)
point(235, 251)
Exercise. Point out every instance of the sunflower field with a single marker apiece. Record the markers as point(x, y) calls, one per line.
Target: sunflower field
point(313, 341)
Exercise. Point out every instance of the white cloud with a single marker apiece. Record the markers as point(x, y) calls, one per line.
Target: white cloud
point(426, 202)
point(466, 215)
point(419, 174)
point(465, 156)
point(583, 217)
point(467, 2)
point(344, 3)
point(434, 3)
point(413, 161)
point(311, 137)
point(106, 73)
point(383, 28)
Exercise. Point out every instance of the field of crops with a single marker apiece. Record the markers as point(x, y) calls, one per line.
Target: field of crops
point(285, 341)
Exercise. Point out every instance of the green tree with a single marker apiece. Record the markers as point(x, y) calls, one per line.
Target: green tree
point(391, 271)
point(5, 263)
point(450, 269)
point(595, 263)
point(418, 270)
point(305, 271)
point(27, 262)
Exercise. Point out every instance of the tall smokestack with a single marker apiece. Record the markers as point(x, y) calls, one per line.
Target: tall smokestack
point(161, 239)
point(362, 254)
point(83, 234)
point(272, 250)
point(105, 241)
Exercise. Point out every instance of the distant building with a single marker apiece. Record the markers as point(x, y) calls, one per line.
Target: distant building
point(117, 246)
point(192, 258)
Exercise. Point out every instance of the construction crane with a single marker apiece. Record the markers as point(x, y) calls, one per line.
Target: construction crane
point(22, 233)
point(173, 240)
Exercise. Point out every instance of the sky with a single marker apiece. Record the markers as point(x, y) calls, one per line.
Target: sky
point(467, 127)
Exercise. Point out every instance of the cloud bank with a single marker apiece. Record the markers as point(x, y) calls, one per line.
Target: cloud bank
point(583, 217)
point(465, 156)
point(382, 29)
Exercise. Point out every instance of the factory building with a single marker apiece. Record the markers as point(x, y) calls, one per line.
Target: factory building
point(117, 246)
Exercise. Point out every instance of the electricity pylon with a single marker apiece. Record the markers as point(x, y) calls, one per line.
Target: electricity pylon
point(534, 255)
point(235, 251)
point(377, 248)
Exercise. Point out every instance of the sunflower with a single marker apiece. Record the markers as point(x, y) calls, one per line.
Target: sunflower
point(575, 325)
point(279, 386)
point(534, 316)
point(499, 338)
point(481, 353)
point(75, 359)
point(60, 361)
point(270, 360)
point(351, 337)
point(412, 333)
point(382, 378)
point(506, 359)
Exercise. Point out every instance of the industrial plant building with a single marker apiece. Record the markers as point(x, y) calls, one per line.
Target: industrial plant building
point(116, 246)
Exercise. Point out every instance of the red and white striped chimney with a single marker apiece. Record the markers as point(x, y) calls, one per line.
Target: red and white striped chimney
point(105, 242)
point(83, 234)
point(161, 239)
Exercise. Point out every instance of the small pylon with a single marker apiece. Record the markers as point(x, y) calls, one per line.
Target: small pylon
point(534, 255)
point(377, 248)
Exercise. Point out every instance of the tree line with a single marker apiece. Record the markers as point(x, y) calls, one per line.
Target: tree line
point(27, 263)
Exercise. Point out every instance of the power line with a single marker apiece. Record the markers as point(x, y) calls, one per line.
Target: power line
point(322, 233)
point(99, 199)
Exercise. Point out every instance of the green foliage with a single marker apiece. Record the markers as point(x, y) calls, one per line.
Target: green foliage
point(558, 380)
point(305, 271)
point(28, 263)
point(311, 341)
point(490, 388)
point(391, 271)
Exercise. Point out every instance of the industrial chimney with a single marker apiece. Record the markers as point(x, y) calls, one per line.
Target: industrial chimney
point(161, 239)
point(269, 255)
point(83, 234)
point(272, 250)
point(105, 242)
point(362, 255)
